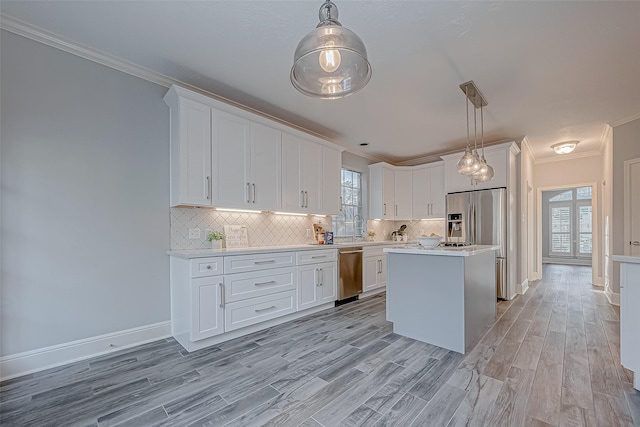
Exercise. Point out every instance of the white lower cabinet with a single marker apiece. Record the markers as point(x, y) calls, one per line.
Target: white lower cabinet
point(213, 298)
point(317, 284)
point(250, 311)
point(374, 269)
point(207, 319)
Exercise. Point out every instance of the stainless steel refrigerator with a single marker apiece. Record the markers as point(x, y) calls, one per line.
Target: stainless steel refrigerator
point(480, 218)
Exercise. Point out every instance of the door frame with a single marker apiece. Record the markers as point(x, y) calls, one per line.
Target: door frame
point(595, 225)
point(627, 203)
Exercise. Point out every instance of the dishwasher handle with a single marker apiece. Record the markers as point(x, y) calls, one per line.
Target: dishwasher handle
point(352, 252)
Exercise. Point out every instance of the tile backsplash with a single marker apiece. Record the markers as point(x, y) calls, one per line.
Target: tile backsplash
point(268, 229)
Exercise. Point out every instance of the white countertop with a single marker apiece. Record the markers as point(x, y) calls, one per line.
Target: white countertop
point(441, 250)
point(202, 253)
point(626, 258)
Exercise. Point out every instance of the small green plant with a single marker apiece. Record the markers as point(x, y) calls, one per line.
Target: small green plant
point(215, 235)
point(371, 234)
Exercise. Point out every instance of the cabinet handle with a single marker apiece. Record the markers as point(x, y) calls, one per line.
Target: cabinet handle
point(302, 199)
point(208, 187)
point(321, 277)
point(306, 199)
point(635, 243)
point(269, 261)
point(270, 282)
point(318, 256)
point(254, 192)
point(384, 212)
point(264, 309)
point(340, 203)
point(315, 277)
point(396, 210)
point(209, 267)
point(248, 193)
point(221, 295)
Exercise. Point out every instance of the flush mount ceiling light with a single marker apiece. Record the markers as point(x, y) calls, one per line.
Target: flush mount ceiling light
point(331, 61)
point(471, 162)
point(565, 147)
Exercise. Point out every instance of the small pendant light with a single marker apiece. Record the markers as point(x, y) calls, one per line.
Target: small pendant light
point(331, 61)
point(471, 162)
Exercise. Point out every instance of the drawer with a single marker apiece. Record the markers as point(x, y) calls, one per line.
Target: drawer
point(258, 283)
point(376, 251)
point(316, 256)
point(246, 263)
point(250, 311)
point(202, 267)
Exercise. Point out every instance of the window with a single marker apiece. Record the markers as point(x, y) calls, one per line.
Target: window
point(570, 215)
point(350, 222)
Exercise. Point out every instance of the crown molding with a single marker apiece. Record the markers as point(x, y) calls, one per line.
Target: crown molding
point(525, 145)
point(45, 37)
point(564, 157)
point(624, 121)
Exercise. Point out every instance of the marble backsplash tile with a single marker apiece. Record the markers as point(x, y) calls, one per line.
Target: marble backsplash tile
point(267, 229)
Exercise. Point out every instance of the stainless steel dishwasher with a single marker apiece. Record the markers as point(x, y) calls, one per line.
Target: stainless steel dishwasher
point(350, 266)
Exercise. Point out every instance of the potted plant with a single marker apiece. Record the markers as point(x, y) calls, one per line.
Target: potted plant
point(215, 237)
point(371, 235)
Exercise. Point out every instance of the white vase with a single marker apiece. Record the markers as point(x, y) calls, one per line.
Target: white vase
point(216, 244)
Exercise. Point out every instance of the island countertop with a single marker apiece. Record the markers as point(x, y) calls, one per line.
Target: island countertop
point(442, 250)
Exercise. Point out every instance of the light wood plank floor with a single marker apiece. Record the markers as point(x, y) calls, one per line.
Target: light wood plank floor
point(551, 358)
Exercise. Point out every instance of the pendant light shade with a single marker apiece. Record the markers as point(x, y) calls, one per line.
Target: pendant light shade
point(331, 61)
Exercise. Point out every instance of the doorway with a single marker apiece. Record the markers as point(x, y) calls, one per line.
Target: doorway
point(567, 226)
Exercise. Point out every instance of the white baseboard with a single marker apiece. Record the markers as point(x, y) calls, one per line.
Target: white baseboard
point(19, 364)
point(522, 287)
point(612, 297)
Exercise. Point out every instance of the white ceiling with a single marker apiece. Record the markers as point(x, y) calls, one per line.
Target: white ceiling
point(553, 71)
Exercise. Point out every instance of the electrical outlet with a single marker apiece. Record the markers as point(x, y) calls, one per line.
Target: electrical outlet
point(194, 233)
point(309, 232)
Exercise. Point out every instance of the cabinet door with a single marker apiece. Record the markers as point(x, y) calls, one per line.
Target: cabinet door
point(370, 268)
point(328, 291)
point(231, 157)
point(382, 271)
point(403, 193)
point(437, 194)
point(207, 317)
point(331, 180)
point(308, 286)
point(388, 198)
point(421, 207)
point(292, 194)
point(265, 174)
point(192, 146)
point(311, 176)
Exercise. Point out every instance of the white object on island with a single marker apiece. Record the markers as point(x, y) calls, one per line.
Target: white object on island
point(629, 314)
point(442, 296)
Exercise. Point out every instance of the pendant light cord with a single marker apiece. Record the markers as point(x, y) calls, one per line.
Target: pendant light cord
point(466, 104)
point(482, 129)
point(475, 130)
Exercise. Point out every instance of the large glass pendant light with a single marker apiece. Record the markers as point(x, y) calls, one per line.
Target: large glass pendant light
point(331, 61)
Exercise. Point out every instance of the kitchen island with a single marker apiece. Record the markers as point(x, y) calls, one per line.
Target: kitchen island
point(442, 296)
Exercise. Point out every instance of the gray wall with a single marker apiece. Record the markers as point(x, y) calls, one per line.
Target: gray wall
point(626, 146)
point(85, 198)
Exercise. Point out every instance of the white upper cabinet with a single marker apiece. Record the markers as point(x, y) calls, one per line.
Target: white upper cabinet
point(331, 181)
point(246, 163)
point(310, 176)
point(501, 157)
point(190, 152)
point(403, 194)
point(381, 191)
point(428, 191)
point(226, 157)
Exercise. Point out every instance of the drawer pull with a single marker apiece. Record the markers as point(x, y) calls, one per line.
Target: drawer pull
point(318, 256)
point(209, 267)
point(271, 282)
point(265, 309)
point(269, 261)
